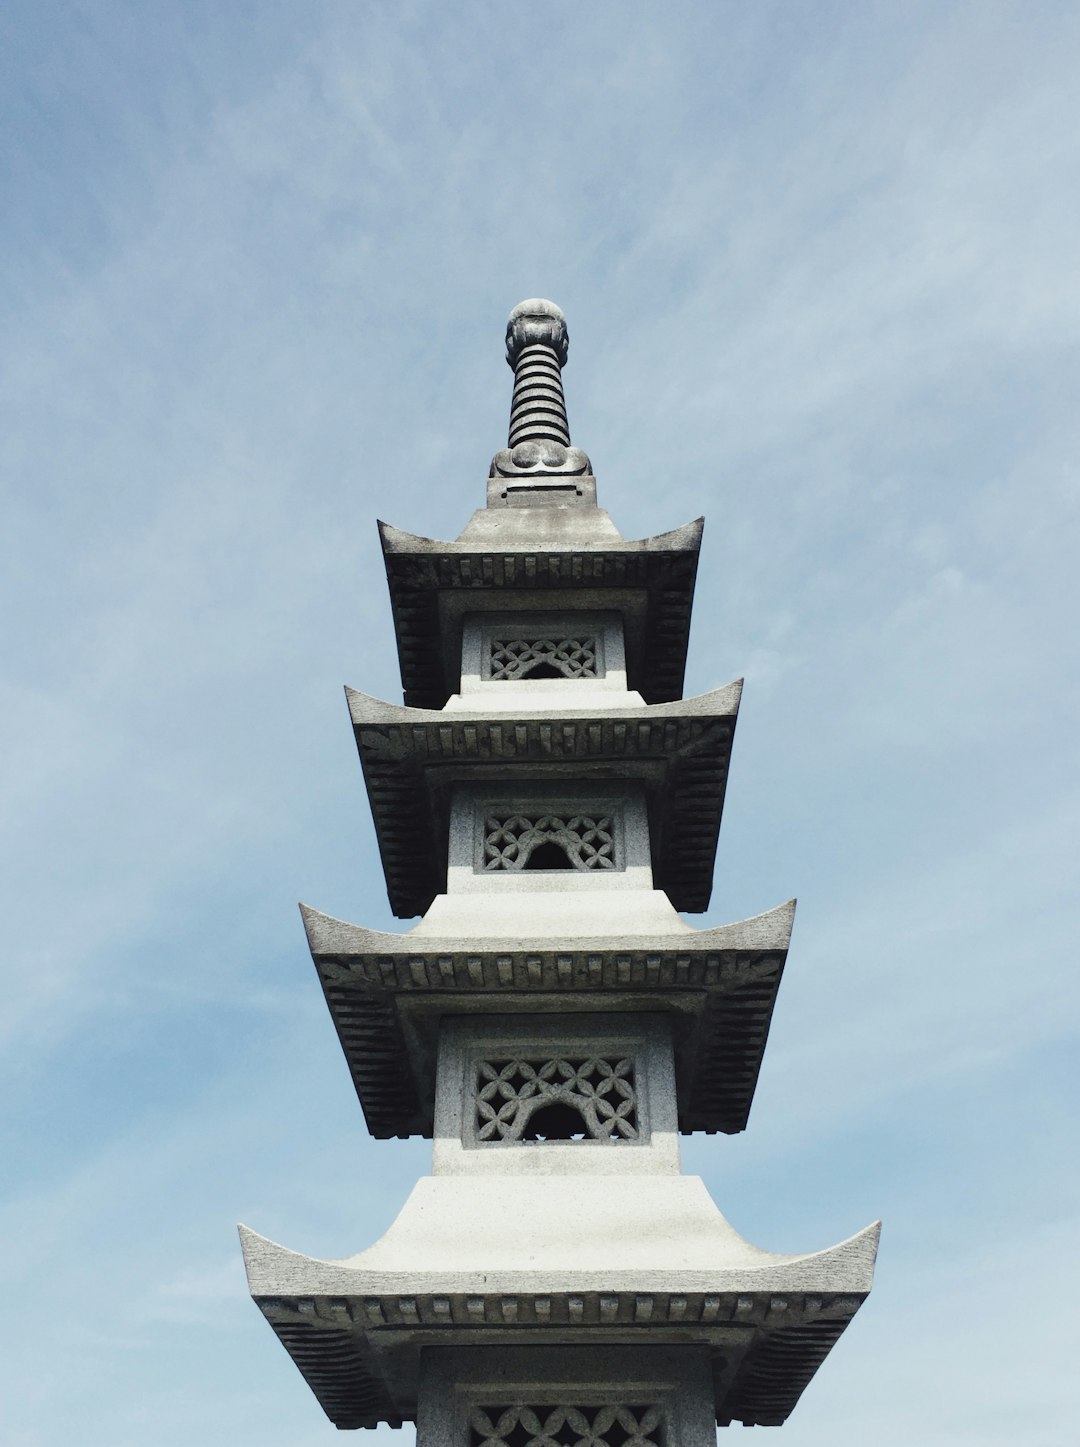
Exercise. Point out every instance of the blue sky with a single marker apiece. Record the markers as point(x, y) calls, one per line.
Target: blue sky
point(819, 267)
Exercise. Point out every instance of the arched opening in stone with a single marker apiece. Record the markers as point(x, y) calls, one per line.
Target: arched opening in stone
point(548, 855)
point(555, 1122)
point(543, 669)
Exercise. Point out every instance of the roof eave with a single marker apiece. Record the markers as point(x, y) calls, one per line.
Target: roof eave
point(687, 743)
point(718, 986)
point(342, 1325)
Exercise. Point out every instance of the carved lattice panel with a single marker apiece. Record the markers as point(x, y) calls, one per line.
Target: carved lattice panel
point(543, 657)
point(585, 841)
point(611, 1425)
point(556, 1099)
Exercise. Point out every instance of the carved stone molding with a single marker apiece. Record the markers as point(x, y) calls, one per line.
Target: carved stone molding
point(544, 458)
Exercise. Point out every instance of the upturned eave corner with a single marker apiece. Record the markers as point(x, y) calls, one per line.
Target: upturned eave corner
point(330, 938)
point(276, 1272)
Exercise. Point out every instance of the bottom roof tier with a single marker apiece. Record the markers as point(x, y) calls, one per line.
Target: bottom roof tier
point(558, 1262)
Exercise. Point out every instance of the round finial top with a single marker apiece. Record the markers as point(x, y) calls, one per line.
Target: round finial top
point(535, 321)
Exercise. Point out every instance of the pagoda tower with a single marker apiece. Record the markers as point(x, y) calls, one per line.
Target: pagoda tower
point(547, 801)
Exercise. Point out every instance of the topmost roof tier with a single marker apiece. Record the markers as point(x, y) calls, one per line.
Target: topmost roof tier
point(541, 543)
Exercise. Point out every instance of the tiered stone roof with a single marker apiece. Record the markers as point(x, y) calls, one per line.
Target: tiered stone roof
point(432, 584)
point(413, 757)
point(662, 1264)
point(388, 995)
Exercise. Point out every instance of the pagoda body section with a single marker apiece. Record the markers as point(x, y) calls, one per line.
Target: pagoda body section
point(548, 802)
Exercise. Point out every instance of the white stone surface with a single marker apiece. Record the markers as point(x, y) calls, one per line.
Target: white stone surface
point(585, 912)
point(581, 1233)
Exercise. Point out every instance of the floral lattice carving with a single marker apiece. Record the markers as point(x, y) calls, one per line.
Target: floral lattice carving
point(543, 657)
point(510, 840)
point(556, 1099)
point(611, 1425)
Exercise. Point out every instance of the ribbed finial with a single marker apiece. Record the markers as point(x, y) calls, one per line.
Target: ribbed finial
point(539, 442)
point(536, 347)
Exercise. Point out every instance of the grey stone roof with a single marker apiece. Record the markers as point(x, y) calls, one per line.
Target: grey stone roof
point(388, 994)
point(678, 751)
point(355, 1328)
point(540, 557)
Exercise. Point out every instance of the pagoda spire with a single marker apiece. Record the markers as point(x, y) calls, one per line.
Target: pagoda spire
point(538, 442)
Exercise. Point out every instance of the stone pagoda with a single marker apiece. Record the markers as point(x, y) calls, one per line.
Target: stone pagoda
point(547, 801)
